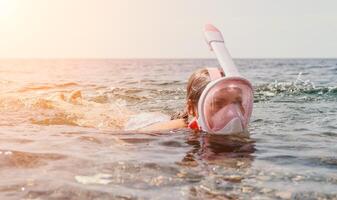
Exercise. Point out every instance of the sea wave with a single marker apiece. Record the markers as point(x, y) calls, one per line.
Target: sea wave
point(98, 106)
point(301, 91)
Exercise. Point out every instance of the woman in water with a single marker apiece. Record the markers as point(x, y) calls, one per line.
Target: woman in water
point(221, 108)
point(195, 85)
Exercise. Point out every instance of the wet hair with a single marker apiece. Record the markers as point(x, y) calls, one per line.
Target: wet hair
point(195, 86)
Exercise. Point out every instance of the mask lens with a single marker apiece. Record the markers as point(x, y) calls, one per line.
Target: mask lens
point(228, 99)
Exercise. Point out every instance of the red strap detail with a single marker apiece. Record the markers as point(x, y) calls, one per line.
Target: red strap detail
point(194, 125)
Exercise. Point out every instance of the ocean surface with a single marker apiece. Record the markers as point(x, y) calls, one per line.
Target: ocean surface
point(61, 132)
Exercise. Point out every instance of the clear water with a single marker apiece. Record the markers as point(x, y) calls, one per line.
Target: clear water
point(53, 147)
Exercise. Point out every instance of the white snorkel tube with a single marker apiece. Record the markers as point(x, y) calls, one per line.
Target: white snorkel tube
point(225, 105)
point(217, 44)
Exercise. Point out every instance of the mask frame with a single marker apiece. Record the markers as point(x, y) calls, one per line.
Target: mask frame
point(202, 121)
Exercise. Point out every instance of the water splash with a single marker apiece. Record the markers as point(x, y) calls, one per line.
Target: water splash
point(299, 89)
point(67, 108)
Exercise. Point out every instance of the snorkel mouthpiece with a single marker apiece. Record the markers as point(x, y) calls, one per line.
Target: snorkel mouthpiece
point(225, 105)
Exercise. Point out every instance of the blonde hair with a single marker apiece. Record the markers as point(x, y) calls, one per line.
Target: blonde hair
point(195, 86)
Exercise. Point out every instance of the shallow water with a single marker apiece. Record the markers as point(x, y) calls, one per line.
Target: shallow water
point(56, 147)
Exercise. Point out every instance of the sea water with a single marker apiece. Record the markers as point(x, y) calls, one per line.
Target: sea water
point(61, 132)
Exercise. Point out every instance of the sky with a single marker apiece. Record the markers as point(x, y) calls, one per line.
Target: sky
point(166, 28)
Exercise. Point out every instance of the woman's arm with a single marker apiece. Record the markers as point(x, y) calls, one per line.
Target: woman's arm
point(161, 126)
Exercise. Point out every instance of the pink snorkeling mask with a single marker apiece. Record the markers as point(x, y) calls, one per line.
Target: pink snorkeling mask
point(226, 104)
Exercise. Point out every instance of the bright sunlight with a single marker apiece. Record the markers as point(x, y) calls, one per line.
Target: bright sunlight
point(7, 8)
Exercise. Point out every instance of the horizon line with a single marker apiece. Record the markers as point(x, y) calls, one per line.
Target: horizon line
point(152, 58)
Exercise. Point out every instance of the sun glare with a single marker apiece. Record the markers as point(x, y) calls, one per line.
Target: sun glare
point(6, 9)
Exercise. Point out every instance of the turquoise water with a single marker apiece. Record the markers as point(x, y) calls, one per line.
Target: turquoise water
point(53, 147)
